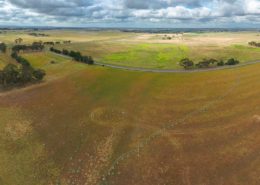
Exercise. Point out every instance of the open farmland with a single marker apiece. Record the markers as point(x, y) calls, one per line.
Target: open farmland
point(148, 50)
point(88, 125)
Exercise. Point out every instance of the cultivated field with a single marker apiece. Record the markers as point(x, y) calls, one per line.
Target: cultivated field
point(88, 125)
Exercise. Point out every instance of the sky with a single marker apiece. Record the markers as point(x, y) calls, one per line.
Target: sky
point(131, 13)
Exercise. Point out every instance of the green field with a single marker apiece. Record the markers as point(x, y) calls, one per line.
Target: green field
point(96, 125)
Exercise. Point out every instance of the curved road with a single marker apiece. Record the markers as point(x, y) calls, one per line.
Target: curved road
point(174, 70)
point(168, 70)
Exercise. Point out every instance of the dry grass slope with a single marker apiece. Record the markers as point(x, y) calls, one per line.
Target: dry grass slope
point(74, 126)
point(89, 125)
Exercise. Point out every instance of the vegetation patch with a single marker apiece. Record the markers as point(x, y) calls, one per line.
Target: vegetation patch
point(17, 75)
point(75, 55)
point(108, 115)
point(150, 55)
point(207, 63)
point(255, 44)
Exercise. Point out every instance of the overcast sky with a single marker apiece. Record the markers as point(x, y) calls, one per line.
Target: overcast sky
point(131, 13)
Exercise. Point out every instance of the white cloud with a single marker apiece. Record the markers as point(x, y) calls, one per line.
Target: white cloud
point(72, 12)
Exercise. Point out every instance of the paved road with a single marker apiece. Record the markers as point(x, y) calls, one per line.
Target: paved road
point(174, 70)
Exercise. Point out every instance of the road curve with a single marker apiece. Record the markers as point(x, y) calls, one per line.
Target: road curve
point(174, 70)
point(168, 70)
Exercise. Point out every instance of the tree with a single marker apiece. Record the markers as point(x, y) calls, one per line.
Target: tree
point(232, 61)
point(186, 63)
point(213, 61)
point(39, 74)
point(18, 41)
point(14, 55)
point(221, 63)
point(3, 47)
point(65, 52)
point(10, 74)
point(1, 77)
point(203, 64)
point(90, 61)
point(26, 74)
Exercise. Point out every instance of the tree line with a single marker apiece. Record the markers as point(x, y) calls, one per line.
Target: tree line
point(57, 42)
point(255, 44)
point(38, 34)
point(75, 55)
point(206, 63)
point(36, 46)
point(14, 75)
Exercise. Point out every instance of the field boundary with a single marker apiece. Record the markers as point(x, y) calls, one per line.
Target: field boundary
point(174, 70)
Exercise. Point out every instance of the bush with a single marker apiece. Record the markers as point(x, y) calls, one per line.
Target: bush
point(65, 52)
point(232, 61)
point(203, 64)
point(39, 74)
point(221, 63)
point(186, 63)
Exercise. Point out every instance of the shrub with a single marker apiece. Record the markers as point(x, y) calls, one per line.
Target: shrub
point(232, 61)
point(221, 63)
point(39, 74)
point(186, 63)
point(203, 64)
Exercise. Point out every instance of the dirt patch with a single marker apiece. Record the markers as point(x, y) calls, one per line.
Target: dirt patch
point(14, 123)
point(18, 129)
point(99, 161)
point(108, 115)
point(256, 119)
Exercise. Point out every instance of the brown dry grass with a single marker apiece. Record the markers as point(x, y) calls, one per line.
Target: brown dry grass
point(216, 145)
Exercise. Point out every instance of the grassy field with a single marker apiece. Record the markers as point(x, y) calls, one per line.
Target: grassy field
point(72, 128)
point(100, 126)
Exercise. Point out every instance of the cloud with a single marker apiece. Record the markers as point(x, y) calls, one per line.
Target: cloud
point(82, 12)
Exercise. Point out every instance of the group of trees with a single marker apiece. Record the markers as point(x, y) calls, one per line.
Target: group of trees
point(255, 44)
point(57, 42)
point(36, 46)
point(49, 43)
point(206, 63)
point(18, 41)
point(20, 75)
point(67, 42)
point(75, 55)
point(38, 34)
point(3, 47)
